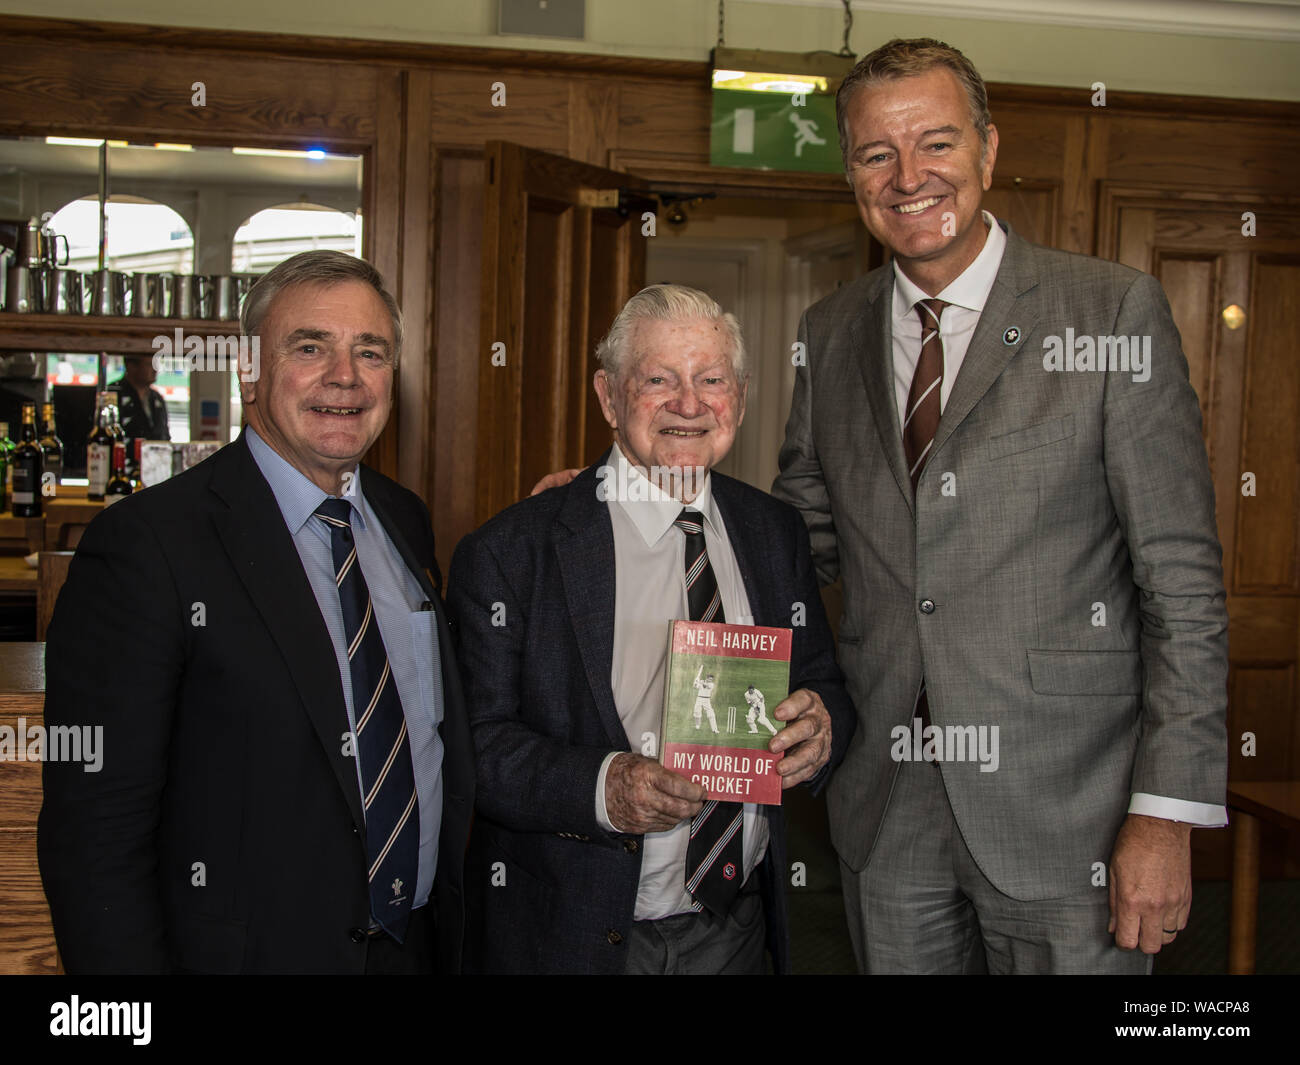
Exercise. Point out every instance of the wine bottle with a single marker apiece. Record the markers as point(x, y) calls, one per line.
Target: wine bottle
point(6, 462)
point(99, 448)
point(51, 445)
point(119, 485)
point(27, 468)
point(136, 472)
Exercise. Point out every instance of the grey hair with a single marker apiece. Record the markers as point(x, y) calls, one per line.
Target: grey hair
point(667, 303)
point(320, 267)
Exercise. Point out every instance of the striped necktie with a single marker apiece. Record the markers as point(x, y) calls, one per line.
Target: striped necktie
point(715, 853)
point(381, 742)
point(922, 422)
point(923, 408)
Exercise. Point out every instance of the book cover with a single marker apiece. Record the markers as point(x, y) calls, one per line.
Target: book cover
point(723, 683)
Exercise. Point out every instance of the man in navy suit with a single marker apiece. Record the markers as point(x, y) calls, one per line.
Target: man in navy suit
point(589, 856)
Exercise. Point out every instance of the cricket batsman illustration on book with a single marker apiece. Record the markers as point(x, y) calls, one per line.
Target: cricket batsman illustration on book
point(757, 710)
point(704, 687)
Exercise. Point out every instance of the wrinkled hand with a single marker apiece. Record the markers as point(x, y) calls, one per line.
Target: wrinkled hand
point(806, 738)
point(1150, 882)
point(558, 479)
point(643, 796)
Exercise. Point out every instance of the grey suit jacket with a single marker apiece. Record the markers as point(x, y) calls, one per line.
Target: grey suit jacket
point(1067, 490)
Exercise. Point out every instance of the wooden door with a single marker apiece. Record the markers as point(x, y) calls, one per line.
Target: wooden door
point(562, 251)
point(1245, 371)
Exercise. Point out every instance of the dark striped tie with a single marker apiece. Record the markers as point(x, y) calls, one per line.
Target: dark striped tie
point(922, 421)
point(715, 853)
point(387, 777)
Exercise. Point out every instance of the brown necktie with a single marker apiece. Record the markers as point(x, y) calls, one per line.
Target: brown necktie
point(922, 420)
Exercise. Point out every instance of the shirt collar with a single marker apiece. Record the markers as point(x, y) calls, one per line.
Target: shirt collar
point(969, 289)
point(297, 496)
point(653, 510)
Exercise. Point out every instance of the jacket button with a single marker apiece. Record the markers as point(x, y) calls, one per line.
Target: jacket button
point(630, 845)
point(614, 937)
point(927, 606)
point(356, 935)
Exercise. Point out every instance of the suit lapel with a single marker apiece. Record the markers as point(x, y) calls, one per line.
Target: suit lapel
point(1009, 306)
point(381, 503)
point(585, 550)
point(263, 555)
point(738, 536)
point(873, 347)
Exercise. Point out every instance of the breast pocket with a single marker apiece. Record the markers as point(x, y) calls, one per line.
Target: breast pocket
point(428, 661)
point(1034, 436)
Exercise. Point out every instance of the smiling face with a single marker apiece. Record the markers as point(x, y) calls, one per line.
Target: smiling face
point(327, 377)
point(919, 171)
point(677, 401)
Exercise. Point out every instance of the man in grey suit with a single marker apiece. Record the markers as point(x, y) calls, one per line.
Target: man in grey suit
point(996, 448)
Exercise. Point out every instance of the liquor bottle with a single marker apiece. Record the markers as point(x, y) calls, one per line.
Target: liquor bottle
point(99, 448)
point(115, 426)
point(27, 468)
point(119, 485)
point(6, 463)
point(51, 445)
point(137, 469)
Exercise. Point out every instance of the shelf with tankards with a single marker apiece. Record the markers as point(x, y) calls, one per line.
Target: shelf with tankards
point(93, 333)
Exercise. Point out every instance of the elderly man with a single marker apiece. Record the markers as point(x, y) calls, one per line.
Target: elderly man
point(287, 779)
point(589, 856)
point(1030, 567)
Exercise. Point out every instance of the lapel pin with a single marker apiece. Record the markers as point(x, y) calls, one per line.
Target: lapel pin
point(1011, 336)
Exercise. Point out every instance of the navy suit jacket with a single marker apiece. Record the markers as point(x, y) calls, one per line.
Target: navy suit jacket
point(531, 596)
point(223, 741)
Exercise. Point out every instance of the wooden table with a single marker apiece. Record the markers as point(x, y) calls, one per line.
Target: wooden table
point(1274, 801)
point(26, 935)
point(17, 576)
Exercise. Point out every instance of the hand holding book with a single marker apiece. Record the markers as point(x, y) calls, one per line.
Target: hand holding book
point(642, 796)
point(806, 738)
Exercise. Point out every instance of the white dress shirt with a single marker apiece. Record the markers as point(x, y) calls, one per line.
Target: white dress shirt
point(649, 592)
point(967, 294)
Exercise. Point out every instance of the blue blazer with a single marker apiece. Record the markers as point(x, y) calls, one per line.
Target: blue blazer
point(531, 596)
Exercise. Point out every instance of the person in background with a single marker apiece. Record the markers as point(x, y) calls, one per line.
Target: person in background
point(141, 408)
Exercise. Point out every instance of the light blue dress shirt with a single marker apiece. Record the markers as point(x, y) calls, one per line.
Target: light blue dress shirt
point(410, 633)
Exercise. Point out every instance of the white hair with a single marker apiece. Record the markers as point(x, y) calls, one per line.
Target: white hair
point(667, 303)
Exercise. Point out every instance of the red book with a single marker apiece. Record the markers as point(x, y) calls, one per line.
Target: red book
point(722, 685)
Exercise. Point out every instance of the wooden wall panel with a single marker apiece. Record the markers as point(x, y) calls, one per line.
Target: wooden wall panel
point(1267, 537)
point(458, 226)
point(536, 111)
point(1231, 155)
point(88, 89)
point(1192, 284)
point(666, 118)
point(416, 374)
point(593, 120)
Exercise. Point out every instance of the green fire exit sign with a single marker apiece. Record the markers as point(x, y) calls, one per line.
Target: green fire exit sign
point(774, 131)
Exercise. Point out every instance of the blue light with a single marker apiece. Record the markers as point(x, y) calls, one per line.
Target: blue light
point(316, 153)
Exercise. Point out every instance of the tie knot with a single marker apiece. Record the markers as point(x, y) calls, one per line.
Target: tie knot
point(930, 310)
point(691, 522)
point(335, 512)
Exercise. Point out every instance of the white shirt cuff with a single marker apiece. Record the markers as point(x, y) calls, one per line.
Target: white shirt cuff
point(602, 817)
point(1191, 813)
